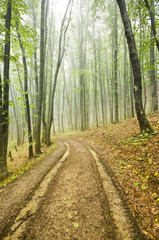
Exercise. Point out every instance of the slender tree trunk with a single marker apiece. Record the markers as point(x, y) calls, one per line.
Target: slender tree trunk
point(41, 80)
point(143, 122)
point(75, 98)
point(142, 61)
point(16, 116)
point(153, 81)
point(68, 98)
point(109, 90)
point(101, 85)
point(27, 109)
point(81, 80)
point(95, 78)
point(49, 114)
point(35, 71)
point(63, 100)
point(111, 83)
point(81, 69)
point(4, 104)
point(116, 66)
point(44, 137)
point(58, 103)
point(125, 79)
point(131, 93)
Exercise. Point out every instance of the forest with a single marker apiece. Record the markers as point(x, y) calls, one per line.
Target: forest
point(67, 66)
point(83, 67)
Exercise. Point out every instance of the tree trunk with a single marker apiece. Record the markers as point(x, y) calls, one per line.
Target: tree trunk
point(44, 137)
point(4, 104)
point(95, 78)
point(27, 109)
point(35, 71)
point(143, 122)
point(16, 116)
point(153, 81)
point(125, 79)
point(116, 66)
point(132, 114)
point(63, 100)
point(101, 85)
point(41, 80)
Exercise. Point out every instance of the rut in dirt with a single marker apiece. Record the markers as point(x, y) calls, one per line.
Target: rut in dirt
point(76, 205)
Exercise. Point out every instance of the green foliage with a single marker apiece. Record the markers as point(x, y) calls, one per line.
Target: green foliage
point(98, 5)
point(136, 184)
point(11, 103)
point(3, 7)
point(76, 224)
point(143, 188)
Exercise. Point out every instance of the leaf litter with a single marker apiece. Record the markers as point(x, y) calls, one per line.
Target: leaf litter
point(134, 161)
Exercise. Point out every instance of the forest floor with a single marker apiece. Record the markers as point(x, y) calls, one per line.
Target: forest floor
point(132, 161)
point(74, 193)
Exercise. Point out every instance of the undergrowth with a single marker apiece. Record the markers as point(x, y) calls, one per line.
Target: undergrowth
point(14, 173)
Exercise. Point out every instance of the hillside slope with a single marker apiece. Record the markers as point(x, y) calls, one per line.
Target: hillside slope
point(132, 161)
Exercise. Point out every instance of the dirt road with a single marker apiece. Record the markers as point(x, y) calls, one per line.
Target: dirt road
point(80, 203)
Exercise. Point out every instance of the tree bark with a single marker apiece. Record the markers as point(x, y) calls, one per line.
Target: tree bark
point(153, 81)
point(143, 122)
point(27, 109)
point(95, 78)
point(15, 116)
point(44, 137)
point(116, 65)
point(132, 114)
point(41, 80)
point(101, 85)
point(63, 100)
point(4, 104)
point(34, 20)
point(125, 79)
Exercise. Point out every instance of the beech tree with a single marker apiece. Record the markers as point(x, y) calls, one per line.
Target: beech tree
point(41, 80)
point(26, 95)
point(4, 95)
point(116, 65)
point(143, 122)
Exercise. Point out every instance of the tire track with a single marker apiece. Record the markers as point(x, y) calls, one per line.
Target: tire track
point(80, 204)
point(121, 220)
point(23, 219)
point(75, 206)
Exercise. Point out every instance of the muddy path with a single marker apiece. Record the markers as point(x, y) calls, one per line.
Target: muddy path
point(80, 202)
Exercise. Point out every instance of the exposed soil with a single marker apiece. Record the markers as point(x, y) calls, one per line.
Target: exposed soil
point(75, 206)
point(15, 196)
point(80, 202)
point(132, 162)
point(110, 196)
